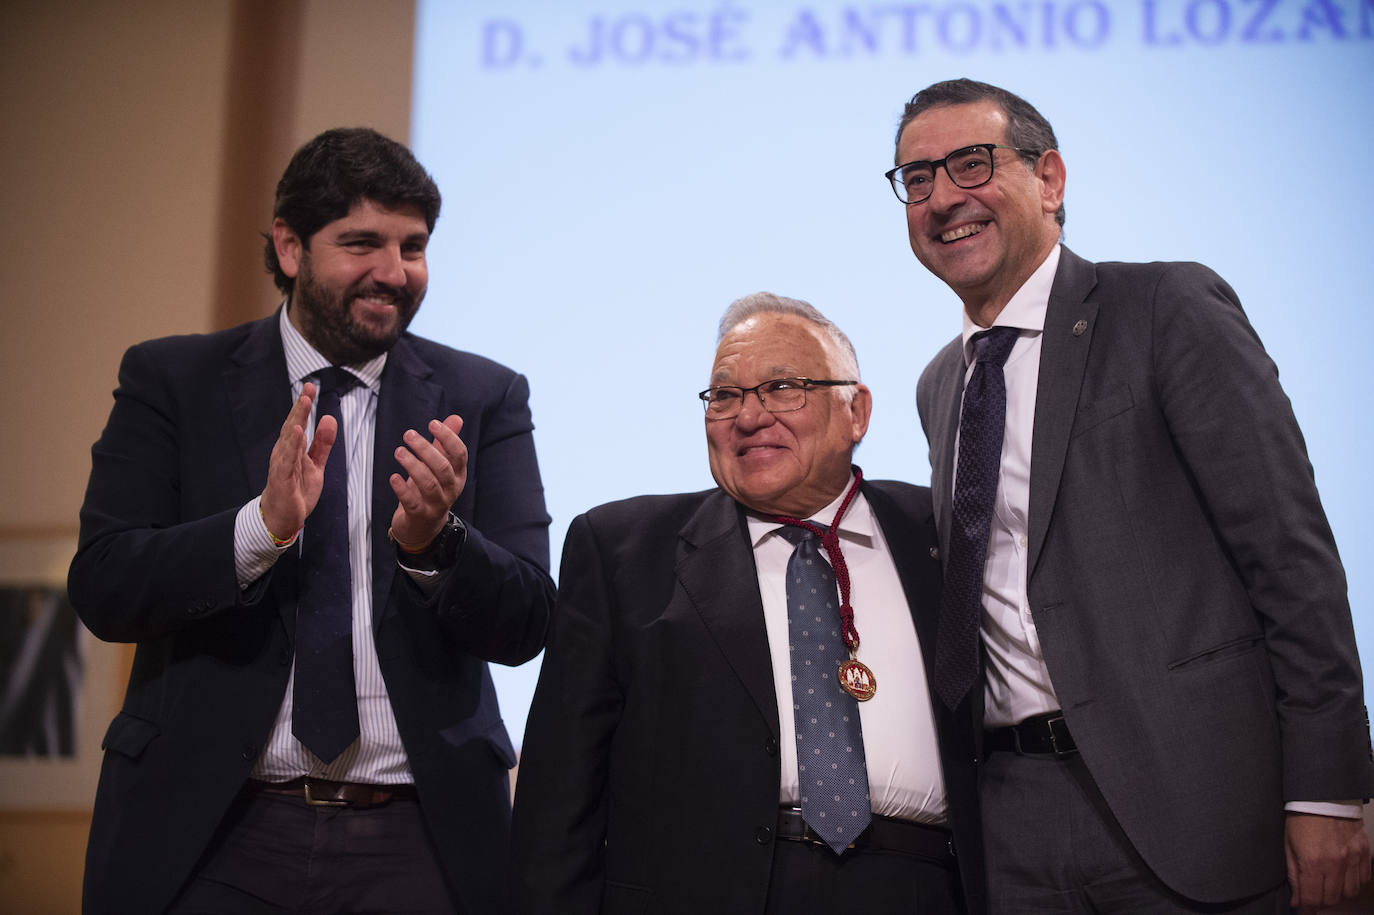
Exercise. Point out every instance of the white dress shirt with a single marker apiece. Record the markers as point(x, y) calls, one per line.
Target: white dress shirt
point(904, 777)
point(1017, 683)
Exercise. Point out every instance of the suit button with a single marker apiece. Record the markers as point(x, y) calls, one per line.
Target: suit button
point(249, 751)
point(284, 657)
point(935, 552)
point(770, 746)
point(763, 835)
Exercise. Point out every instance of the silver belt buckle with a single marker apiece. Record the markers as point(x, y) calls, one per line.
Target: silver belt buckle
point(1054, 739)
point(808, 835)
point(322, 801)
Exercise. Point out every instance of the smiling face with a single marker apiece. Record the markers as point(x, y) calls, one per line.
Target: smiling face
point(359, 281)
point(984, 242)
point(784, 463)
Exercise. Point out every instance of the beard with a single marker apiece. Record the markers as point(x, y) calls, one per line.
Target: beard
point(331, 325)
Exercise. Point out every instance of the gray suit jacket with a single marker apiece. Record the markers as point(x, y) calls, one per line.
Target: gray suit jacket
point(1181, 574)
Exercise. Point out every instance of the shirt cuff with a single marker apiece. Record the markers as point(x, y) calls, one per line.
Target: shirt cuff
point(1346, 810)
point(254, 550)
point(427, 580)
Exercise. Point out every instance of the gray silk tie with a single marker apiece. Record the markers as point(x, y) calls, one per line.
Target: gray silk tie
point(831, 769)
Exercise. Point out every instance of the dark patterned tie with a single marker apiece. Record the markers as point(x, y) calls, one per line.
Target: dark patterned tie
point(324, 714)
point(831, 770)
point(981, 426)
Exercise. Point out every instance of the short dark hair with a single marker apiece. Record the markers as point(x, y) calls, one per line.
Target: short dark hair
point(338, 169)
point(1027, 128)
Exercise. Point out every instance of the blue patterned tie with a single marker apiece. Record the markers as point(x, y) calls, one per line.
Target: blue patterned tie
point(831, 770)
point(324, 713)
point(981, 426)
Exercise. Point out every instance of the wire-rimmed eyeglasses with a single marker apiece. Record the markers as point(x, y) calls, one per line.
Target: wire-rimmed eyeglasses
point(778, 395)
point(968, 167)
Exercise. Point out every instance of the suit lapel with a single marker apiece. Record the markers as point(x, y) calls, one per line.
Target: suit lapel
point(256, 380)
point(946, 398)
point(409, 400)
point(1063, 358)
point(716, 570)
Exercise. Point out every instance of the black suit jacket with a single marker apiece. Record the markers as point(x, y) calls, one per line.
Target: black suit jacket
point(1181, 573)
point(187, 445)
point(649, 776)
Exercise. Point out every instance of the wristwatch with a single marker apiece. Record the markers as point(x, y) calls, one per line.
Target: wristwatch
point(442, 551)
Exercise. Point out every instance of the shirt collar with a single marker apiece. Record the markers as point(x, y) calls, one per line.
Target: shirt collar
point(857, 526)
point(1026, 310)
point(303, 360)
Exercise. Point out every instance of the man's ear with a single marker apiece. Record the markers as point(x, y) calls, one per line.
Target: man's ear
point(1050, 171)
point(861, 407)
point(289, 247)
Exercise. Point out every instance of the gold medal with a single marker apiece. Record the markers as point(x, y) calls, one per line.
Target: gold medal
point(854, 676)
point(858, 680)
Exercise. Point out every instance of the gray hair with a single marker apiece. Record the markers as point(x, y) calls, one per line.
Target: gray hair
point(742, 309)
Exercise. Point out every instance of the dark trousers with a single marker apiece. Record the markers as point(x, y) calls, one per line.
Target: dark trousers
point(275, 853)
point(809, 878)
point(1053, 846)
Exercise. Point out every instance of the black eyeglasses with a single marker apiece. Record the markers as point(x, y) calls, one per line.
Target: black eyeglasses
point(780, 395)
point(967, 168)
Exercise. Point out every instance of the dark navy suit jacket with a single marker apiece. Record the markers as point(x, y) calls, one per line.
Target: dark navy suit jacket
point(650, 773)
point(187, 445)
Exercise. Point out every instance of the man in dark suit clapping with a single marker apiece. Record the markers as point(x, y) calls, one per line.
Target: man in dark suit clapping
point(310, 724)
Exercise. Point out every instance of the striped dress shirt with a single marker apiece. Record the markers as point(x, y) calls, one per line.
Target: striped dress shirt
point(377, 756)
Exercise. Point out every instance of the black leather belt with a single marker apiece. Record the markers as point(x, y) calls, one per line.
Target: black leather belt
point(320, 793)
point(930, 843)
point(1038, 735)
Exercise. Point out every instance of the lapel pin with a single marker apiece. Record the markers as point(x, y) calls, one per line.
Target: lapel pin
point(1079, 326)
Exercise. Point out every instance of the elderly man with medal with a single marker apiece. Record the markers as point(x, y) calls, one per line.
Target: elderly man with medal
point(708, 733)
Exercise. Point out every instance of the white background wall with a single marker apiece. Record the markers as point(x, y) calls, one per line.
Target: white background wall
point(616, 173)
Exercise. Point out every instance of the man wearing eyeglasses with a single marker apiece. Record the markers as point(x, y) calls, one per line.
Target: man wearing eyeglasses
point(732, 714)
point(1143, 610)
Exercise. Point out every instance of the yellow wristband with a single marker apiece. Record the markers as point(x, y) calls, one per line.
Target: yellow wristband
point(276, 541)
point(414, 551)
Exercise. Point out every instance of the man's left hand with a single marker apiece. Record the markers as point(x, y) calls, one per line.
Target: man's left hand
point(1328, 859)
point(437, 471)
